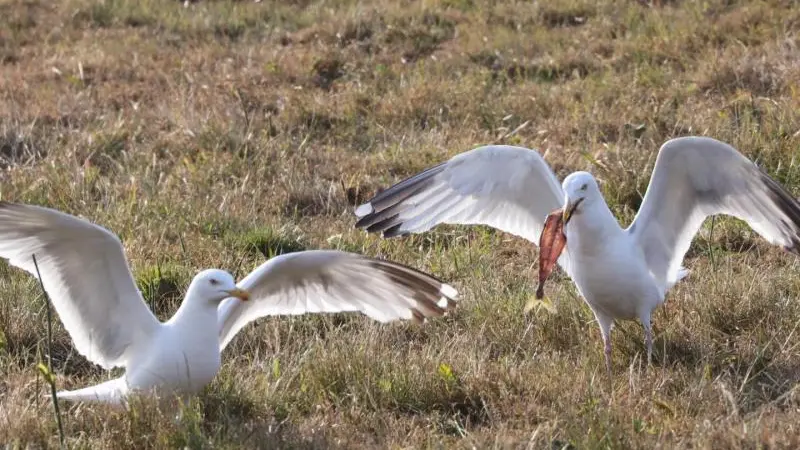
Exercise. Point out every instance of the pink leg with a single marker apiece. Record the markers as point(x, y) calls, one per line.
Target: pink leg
point(648, 338)
point(606, 324)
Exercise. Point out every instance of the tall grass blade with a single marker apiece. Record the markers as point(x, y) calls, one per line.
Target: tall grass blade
point(51, 380)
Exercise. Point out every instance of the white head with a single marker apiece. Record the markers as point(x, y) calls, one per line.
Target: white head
point(580, 192)
point(214, 286)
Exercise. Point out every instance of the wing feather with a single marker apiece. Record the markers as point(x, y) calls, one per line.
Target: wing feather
point(696, 177)
point(333, 281)
point(85, 273)
point(508, 188)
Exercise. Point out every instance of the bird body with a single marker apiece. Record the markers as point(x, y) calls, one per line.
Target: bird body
point(84, 271)
point(620, 273)
point(610, 271)
point(633, 292)
point(183, 357)
point(599, 251)
point(180, 358)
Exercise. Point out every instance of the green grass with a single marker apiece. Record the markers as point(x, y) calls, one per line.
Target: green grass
point(219, 133)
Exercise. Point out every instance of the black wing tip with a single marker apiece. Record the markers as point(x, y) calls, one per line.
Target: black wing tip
point(388, 227)
point(384, 264)
point(364, 221)
point(790, 208)
point(384, 207)
point(383, 223)
point(394, 231)
point(386, 222)
point(434, 297)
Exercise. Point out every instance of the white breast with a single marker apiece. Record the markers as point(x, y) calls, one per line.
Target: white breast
point(612, 276)
point(182, 361)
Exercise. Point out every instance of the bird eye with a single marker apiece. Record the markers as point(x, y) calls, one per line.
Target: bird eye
point(583, 188)
point(213, 282)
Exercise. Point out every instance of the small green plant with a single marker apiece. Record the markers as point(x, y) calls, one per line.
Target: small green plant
point(446, 374)
point(276, 368)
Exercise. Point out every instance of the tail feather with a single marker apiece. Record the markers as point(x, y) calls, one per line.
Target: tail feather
point(110, 392)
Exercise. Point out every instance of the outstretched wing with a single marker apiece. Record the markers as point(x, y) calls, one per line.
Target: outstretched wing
point(508, 188)
point(85, 273)
point(333, 281)
point(695, 177)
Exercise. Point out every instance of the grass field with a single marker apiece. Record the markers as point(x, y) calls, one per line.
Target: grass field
point(213, 133)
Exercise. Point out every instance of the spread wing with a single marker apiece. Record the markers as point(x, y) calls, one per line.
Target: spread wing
point(85, 273)
point(696, 177)
point(333, 281)
point(508, 188)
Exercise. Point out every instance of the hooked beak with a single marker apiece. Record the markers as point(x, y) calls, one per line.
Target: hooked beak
point(241, 294)
point(569, 209)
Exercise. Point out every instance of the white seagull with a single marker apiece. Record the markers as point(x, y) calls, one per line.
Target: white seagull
point(84, 271)
point(621, 273)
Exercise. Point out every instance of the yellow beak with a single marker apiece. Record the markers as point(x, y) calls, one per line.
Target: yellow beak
point(241, 294)
point(569, 209)
point(566, 214)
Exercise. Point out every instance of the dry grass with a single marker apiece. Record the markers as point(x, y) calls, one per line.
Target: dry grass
point(219, 132)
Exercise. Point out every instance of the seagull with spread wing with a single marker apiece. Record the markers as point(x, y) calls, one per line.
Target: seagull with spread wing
point(621, 273)
point(86, 275)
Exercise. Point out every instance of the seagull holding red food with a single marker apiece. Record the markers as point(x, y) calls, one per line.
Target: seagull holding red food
point(621, 273)
point(84, 271)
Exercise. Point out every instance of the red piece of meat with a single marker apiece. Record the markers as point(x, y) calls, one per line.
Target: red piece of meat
point(551, 244)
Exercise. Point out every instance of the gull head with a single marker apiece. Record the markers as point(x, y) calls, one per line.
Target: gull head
point(214, 286)
point(580, 191)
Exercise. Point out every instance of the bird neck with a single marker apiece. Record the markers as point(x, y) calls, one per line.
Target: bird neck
point(195, 313)
point(591, 228)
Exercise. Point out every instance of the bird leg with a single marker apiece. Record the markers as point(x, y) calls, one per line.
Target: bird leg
point(607, 351)
point(606, 324)
point(648, 339)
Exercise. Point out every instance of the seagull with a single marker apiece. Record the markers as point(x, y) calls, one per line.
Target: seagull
point(622, 274)
point(85, 273)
